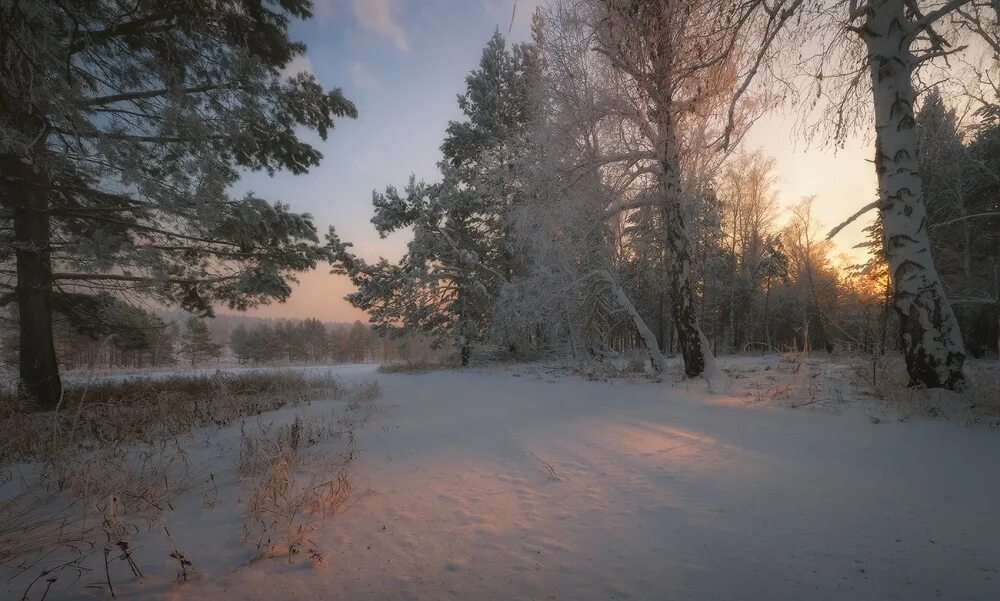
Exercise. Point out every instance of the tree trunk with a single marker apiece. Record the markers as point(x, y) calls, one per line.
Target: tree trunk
point(661, 335)
point(931, 340)
point(464, 331)
point(26, 198)
point(767, 329)
point(648, 338)
point(679, 270)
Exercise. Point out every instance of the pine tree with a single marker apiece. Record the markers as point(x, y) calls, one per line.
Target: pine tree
point(196, 342)
point(357, 342)
point(462, 250)
point(315, 342)
point(123, 126)
point(240, 344)
point(984, 207)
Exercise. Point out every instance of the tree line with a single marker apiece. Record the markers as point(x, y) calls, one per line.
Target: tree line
point(309, 340)
point(596, 195)
point(149, 341)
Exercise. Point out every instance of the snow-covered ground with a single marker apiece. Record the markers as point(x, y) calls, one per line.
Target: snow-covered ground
point(84, 376)
point(525, 483)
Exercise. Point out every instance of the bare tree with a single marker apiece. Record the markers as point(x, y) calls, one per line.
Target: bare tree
point(681, 62)
point(747, 187)
point(585, 165)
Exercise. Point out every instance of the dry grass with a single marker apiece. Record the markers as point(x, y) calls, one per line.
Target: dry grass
point(885, 378)
point(72, 504)
point(983, 392)
point(290, 490)
point(137, 410)
point(413, 366)
point(90, 476)
point(617, 366)
point(796, 380)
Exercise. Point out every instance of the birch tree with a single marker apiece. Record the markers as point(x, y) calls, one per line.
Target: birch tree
point(894, 42)
point(932, 342)
point(681, 61)
point(747, 188)
point(851, 48)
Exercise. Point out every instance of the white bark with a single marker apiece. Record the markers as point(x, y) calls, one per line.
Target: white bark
point(648, 338)
point(932, 342)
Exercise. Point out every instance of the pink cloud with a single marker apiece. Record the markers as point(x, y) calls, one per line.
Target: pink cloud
point(377, 16)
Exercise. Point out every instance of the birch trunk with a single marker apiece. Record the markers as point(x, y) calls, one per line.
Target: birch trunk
point(648, 338)
point(931, 340)
point(692, 343)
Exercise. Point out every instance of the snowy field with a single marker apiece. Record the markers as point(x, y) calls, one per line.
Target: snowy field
point(528, 483)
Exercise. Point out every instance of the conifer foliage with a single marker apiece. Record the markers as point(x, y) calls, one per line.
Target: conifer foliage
point(462, 251)
point(196, 342)
point(122, 127)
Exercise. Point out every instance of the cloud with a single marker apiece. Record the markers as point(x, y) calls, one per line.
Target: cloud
point(361, 76)
point(377, 16)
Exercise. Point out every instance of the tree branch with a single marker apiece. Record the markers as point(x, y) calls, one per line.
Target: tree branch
point(852, 219)
point(140, 95)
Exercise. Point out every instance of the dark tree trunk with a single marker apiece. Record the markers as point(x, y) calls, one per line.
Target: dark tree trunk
point(464, 330)
point(25, 195)
point(679, 267)
point(680, 271)
point(689, 336)
point(767, 330)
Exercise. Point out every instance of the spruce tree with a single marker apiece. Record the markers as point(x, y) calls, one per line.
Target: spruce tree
point(240, 344)
point(962, 217)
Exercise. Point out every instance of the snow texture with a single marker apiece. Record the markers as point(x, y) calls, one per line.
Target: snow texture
point(527, 483)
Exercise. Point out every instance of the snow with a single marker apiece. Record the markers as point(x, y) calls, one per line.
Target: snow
point(114, 375)
point(529, 483)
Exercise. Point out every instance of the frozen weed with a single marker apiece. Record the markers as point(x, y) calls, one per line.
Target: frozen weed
point(142, 410)
point(413, 366)
point(113, 457)
point(884, 377)
point(289, 489)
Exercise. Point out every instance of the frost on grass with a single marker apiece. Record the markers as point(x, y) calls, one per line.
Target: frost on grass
point(108, 473)
point(877, 386)
point(978, 403)
point(291, 488)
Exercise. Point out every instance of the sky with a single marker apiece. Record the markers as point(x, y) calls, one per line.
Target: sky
point(403, 63)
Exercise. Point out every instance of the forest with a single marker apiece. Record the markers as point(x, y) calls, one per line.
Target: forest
point(605, 328)
point(596, 198)
point(143, 340)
